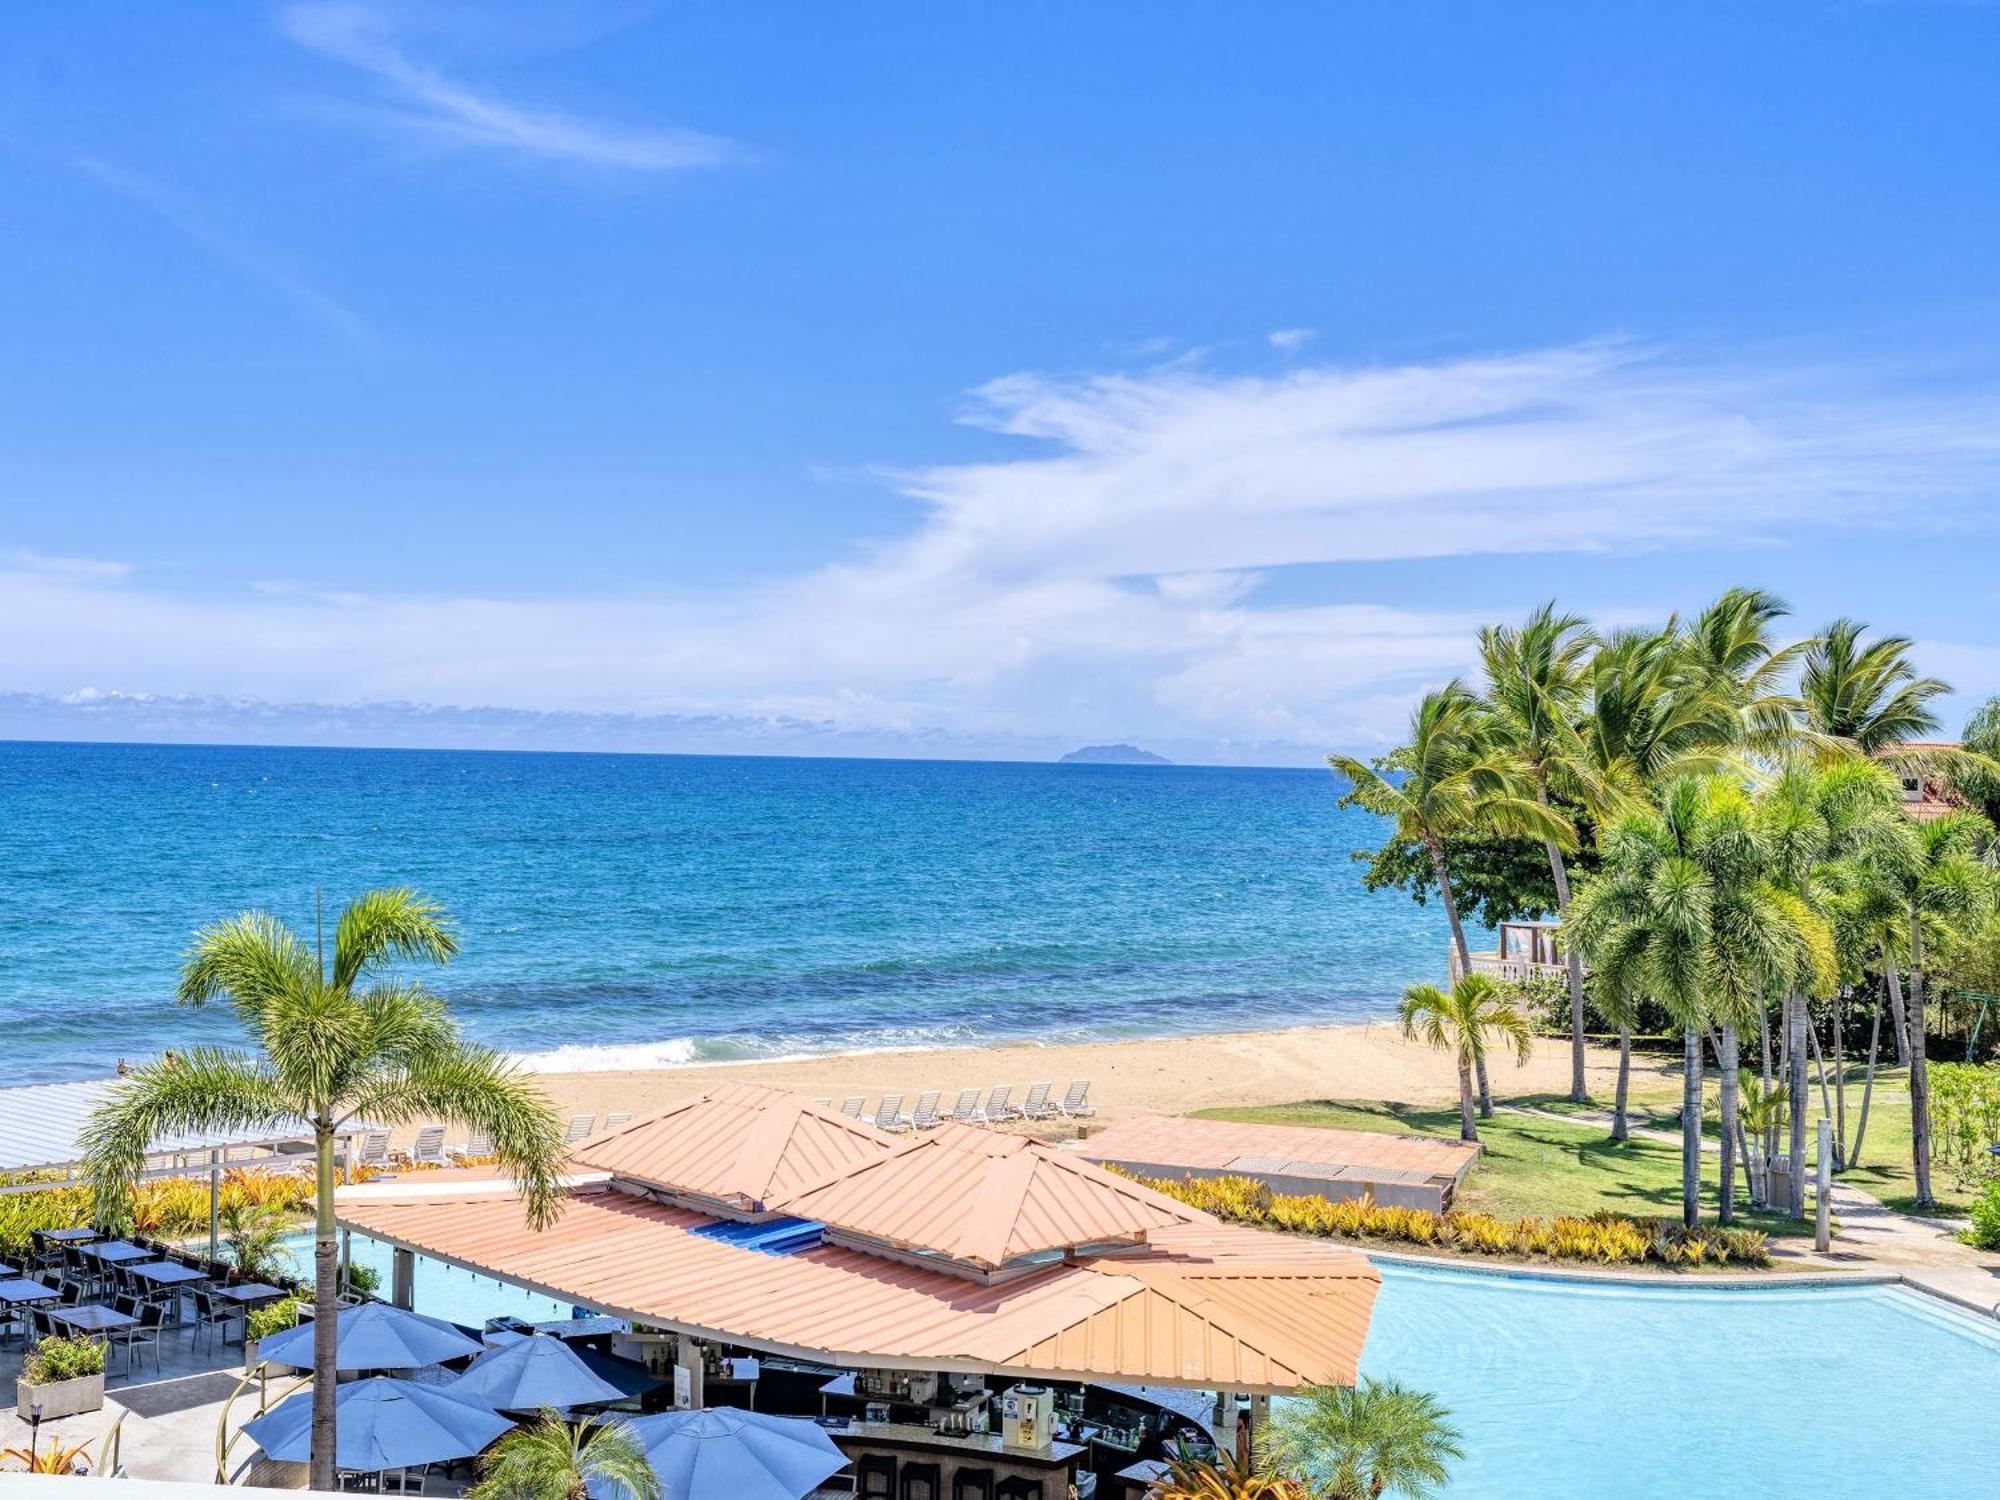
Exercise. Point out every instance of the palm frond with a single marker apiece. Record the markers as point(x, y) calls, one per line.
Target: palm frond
point(394, 922)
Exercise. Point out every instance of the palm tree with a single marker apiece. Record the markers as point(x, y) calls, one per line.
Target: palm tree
point(1475, 1012)
point(1735, 656)
point(1536, 681)
point(336, 1044)
point(1452, 781)
point(548, 1459)
point(1355, 1442)
point(1866, 697)
point(1934, 870)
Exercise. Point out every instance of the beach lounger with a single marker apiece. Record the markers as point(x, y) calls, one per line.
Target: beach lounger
point(925, 1116)
point(1076, 1100)
point(826, 1103)
point(1038, 1106)
point(889, 1114)
point(478, 1144)
point(967, 1110)
point(997, 1106)
point(579, 1127)
point(851, 1106)
point(428, 1150)
point(374, 1150)
point(612, 1122)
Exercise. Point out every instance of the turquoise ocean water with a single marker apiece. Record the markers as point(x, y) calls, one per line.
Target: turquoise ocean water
point(631, 910)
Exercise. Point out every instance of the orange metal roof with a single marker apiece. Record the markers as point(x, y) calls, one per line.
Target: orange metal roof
point(985, 1198)
point(1217, 1145)
point(741, 1143)
point(1205, 1305)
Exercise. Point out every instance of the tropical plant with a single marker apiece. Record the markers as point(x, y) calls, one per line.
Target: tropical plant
point(338, 1039)
point(1465, 1021)
point(1985, 1232)
point(549, 1459)
point(1865, 695)
point(1377, 1437)
point(1537, 679)
point(1192, 1475)
point(255, 1234)
point(53, 1457)
point(1965, 1119)
point(272, 1317)
point(63, 1357)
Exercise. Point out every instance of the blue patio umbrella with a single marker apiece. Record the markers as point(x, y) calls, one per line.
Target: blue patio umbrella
point(530, 1373)
point(744, 1455)
point(381, 1423)
point(373, 1336)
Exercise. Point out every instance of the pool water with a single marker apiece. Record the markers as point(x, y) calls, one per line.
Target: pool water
point(443, 1291)
point(1592, 1389)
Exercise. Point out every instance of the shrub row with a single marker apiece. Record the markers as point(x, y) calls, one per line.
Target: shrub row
point(1601, 1239)
point(167, 1207)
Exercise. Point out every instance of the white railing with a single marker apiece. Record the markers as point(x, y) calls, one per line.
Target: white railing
point(1510, 969)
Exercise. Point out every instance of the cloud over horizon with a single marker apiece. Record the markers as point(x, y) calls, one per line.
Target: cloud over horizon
point(1113, 578)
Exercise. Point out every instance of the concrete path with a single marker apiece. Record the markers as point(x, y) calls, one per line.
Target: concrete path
point(1871, 1236)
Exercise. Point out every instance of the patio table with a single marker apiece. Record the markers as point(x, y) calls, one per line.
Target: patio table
point(69, 1236)
point(93, 1317)
point(168, 1273)
point(250, 1291)
point(114, 1252)
point(7, 1270)
point(24, 1290)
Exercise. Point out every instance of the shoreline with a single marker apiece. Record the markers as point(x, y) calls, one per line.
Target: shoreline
point(1152, 1075)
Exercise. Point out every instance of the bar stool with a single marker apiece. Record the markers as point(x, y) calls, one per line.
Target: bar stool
point(1016, 1488)
point(875, 1477)
point(921, 1482)
point(972, 1484)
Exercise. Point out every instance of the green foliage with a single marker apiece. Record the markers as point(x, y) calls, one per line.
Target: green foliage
point(1965, 1118)
point(63, 1358)
point(1601, 1239)
point(272, 1317)
point(1986, 1217)
point(171, 1208)
point(364, 1279)
point(1375, 1437)
point(255, 1234)
point(548, 1459)
point(1493, 880)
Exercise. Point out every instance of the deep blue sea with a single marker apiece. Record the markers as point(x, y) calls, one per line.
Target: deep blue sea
point(628, 910)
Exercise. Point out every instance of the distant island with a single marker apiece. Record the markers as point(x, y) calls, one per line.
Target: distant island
point(1113, 755)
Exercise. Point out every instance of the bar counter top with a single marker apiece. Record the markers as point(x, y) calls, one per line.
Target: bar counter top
point(979, 1445)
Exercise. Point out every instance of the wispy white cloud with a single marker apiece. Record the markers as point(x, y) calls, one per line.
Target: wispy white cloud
point(421, 100)
point(1289, 340)
point(194, 225)
point(97, 569)
point(1112, 580)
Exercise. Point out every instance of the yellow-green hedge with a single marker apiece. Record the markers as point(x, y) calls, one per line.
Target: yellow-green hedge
point(1602, 1239)
point(167, 1207)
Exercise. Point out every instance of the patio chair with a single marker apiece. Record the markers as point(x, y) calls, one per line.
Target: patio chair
point(612, 1122)
point(998, 1107)
point(889, 1114)
point(925, 1116)
point(374, 1150)
point(1038, 1105)
point(826, 1103)
point(578, 1129)
point(967, 1110)
point(71, 1294)
point(135, 1341)
point(1076, 1100)
point(40, 1324)
point(479, 1143)
point(851, 1105)
point(212, 1312)
point(428, 1148)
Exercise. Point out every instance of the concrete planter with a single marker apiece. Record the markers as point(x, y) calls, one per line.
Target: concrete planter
point(60, 1398)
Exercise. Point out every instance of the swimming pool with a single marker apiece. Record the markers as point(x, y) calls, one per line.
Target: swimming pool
point(1592, 1389)
point(441, 1290)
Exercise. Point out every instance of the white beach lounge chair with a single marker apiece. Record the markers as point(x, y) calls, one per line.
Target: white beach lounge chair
point(1076, 1100)
point(967, 1110)
point(851, 1105)
point(579, 1127)
point(374, 1150)
point(612, 1122)
point(998, 1105)
point(826, 1103)
point(925, 1116)
point(1038, 1106)
point(428, 1150)
point(889, 1114)
point(477, 1144)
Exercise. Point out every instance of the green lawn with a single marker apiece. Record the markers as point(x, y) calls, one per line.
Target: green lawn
point(1528, 1165)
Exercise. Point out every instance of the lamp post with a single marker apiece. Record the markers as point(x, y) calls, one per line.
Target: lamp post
point(34, 1429)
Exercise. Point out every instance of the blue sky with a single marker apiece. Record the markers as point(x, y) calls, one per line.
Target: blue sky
point(966, 380)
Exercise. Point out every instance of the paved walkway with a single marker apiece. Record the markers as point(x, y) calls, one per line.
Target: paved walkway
point(1871, 1237)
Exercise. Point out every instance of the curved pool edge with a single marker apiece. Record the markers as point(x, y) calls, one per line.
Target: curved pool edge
point(1531, 1271)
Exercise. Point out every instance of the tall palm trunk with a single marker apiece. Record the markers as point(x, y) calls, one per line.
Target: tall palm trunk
point(1467, 1131)
point(1485, 1091)
point(1690, 1126)
point(1840, 1080)
point(1573, 961)
point(1896, 1011)
point(321, 1475)
point(1796, 1101)
point(1868, 1088)
point(1825, 1098)
point(1920, 1078)
point(1443, 878)
point(1621, 1121)
point(1726, 1062)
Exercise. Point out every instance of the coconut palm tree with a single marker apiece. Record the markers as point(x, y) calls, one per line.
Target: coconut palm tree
point(1475, 1013)
point(1865, 696)
point(1935, 873)
point(1735, 656)
point(1354, 1442)
point(1449, 779)
point(336, 1042)
point(548, 1459)
point(1537, 681)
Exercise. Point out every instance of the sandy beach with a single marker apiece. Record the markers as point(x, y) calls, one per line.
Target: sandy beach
point(1164, 1075)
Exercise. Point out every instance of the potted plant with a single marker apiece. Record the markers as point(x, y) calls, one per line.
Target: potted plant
point(262, 1322)
point(62, 1376)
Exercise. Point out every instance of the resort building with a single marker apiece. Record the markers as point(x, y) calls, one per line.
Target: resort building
point(964, 1299)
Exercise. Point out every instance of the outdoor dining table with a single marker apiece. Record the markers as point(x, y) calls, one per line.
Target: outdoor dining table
point(167, 1273)
point(93, 1317)
point(115, 1252)
point(250, 1291)
point(69, 1236)
point(7, 1270)
point(22, 1290)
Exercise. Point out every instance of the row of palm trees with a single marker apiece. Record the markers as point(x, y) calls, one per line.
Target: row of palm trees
point(1722, 822)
